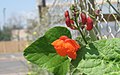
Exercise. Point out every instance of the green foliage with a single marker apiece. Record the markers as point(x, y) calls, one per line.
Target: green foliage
point(42, 53)
point(99, 58)
point(5, 34)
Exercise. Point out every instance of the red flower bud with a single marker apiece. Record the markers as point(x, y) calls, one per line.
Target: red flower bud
point(66, 14)
point(97, 12)
point(73, 27)
point(70, 23)
point(83, 18)
point(83, 26)
point(89, 24)
point(67, 21)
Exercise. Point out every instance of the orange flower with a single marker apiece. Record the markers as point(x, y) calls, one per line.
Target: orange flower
point(66, 46)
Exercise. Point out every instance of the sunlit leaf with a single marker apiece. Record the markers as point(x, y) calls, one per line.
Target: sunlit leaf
point(42, 53)
point(99, 58)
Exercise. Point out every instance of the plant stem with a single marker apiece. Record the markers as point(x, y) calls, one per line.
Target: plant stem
point(80, 31)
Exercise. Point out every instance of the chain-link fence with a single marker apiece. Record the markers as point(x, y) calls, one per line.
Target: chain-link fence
point(106, 25)
point(107, 22)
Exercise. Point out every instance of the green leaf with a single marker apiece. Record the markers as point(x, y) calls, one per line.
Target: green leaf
point(99, 58)
point(56, 32)
point(42, 53)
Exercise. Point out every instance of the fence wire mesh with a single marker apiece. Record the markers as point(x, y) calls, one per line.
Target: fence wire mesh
point(107, 28)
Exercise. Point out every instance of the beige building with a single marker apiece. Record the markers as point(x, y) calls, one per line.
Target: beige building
point(19, 34)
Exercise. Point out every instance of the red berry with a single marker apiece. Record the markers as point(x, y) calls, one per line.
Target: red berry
point(89, 24)
point(83, 18)
point(66, 14)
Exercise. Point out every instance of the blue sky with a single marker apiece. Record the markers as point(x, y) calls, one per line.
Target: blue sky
point(16, 6)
